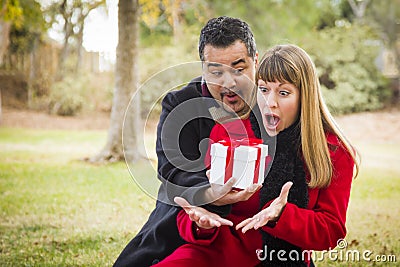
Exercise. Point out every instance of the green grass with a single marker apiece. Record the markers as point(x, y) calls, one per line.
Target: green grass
point(373, 216)
point(56, 210)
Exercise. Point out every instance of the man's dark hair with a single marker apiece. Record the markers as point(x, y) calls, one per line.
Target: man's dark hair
point(223, 32)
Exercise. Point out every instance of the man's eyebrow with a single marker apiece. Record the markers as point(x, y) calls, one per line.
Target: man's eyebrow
point(213, 64)
point(240, 60)
point(234, 63)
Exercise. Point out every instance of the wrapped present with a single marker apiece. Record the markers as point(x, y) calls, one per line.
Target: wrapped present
point(243, 159)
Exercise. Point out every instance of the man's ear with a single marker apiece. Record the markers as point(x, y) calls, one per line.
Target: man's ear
point(256, 59)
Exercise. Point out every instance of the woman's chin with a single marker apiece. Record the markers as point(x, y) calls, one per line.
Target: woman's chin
point(271, 131)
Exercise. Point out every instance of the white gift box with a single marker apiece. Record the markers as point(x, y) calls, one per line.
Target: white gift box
point(218, 163)
point(244, 164)
point(263, 156)
point(247, 166)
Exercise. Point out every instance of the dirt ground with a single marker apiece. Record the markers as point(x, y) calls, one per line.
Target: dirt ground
point(359, 127)
point(41, 120)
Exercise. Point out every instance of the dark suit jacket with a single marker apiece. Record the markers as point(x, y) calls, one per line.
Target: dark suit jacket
point(182, 140)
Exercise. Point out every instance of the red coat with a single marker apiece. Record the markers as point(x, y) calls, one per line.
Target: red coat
point(316, 228)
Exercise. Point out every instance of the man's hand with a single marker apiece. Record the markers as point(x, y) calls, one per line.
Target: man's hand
point(202, 217)
point(220, 195)
point(270, 213)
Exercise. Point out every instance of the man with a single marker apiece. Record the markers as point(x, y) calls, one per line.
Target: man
point(228, 53)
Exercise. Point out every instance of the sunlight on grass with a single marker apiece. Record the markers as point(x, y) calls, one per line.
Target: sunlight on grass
point(59, 211)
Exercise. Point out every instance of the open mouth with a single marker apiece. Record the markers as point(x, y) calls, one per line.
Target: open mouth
point(272, 120)
point(230, 96)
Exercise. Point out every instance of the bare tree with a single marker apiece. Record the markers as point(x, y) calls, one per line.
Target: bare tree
point(72, 15)
point(126, 83)
point(358, 9)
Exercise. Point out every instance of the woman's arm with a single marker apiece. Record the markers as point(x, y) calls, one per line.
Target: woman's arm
point(321, 227)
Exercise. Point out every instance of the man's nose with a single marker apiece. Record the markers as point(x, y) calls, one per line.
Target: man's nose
point(228, 81)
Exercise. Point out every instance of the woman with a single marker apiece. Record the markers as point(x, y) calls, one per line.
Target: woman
point(304, 198)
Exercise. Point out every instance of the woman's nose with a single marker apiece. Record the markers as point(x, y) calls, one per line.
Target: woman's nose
point(272, 101)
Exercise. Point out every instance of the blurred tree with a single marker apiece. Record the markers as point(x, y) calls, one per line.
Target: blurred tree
point(10, 13)
point(25, 26)
point(126, 84)
point(70, 15)
point(358, 7)
point(173, 14)
point(343, 59)
point(385, 16)
point(280, 21)
point(25, 34)
point(25, 37)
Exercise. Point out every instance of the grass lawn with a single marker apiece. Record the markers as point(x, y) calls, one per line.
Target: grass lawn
point(59, 211)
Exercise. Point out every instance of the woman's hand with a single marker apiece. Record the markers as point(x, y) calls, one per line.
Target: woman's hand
point(270, 213)
point(202, 217)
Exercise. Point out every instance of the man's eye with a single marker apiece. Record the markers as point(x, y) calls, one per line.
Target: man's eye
point(263, 89)
point(216, 73)
point(238, 71)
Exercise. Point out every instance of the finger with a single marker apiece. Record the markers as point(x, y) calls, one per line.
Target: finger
point(244, 194)
point(249, 226)
point(208, 222)
point(214, 223)
point(253, 188)
point(243, 223)
point(260, 223)
point(222, 190)
point(183, 203)
point(285, 190)
point(225, 222)
point(192, 216)
point(208, 174)
point(229, 185)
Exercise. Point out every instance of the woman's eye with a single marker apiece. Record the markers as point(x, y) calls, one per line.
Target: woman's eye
point(284, 93)
point(263, 89)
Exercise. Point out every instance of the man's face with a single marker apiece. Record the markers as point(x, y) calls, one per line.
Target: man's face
point(230, 73)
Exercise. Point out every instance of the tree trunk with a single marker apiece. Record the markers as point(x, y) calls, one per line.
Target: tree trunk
point(32, 71)
point(176, 25)
point(4, 38)
point(4, 41)
point(79, 50)
point(65, 50)
point(1, 109)
point(126, 83)
point(358, 9)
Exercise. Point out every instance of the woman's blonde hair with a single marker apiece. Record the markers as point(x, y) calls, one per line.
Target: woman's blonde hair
point(291, 64)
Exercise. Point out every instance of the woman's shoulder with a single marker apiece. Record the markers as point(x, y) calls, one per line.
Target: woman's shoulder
point(336, 148)
point(332, 139)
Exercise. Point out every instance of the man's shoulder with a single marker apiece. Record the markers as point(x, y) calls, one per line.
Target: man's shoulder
point(191, 90)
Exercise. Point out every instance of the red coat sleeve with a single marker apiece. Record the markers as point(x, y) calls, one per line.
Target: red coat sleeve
point(186, 230)
point(320, 227)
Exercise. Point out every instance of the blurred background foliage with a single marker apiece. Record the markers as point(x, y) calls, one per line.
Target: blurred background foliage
point(354, 43)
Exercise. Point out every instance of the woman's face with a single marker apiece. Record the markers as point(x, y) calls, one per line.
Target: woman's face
point(279, 105)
